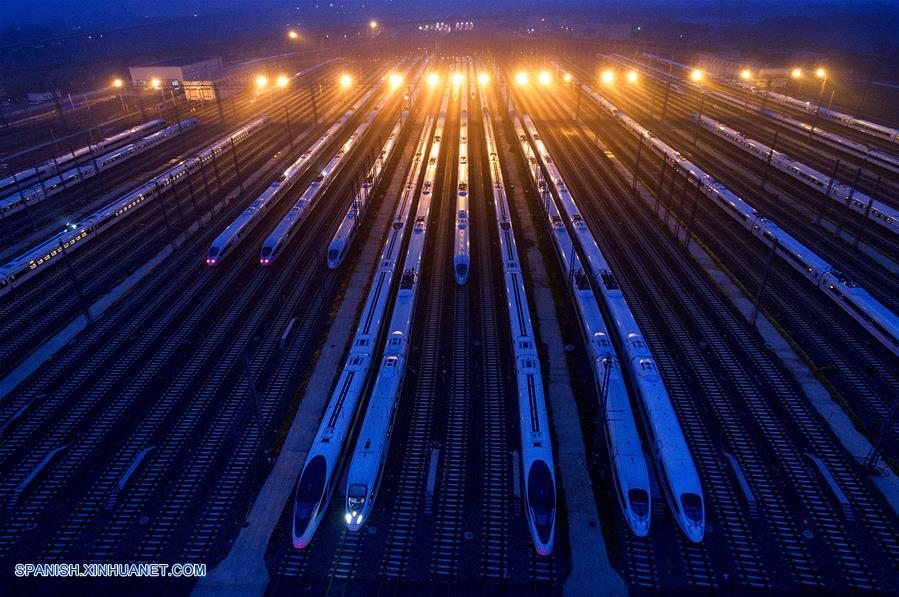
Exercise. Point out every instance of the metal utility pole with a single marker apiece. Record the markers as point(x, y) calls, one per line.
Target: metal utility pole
point(698, 119)
point(758, 295)
point(237, 165)
point(637, 166)
point(861, 225)
point(768, 161)
point(289, 131)
point(873, 456)
point(71, 269)
point(824, 201)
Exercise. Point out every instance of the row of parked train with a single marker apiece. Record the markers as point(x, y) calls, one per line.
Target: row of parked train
point(868, 153)
point(888, 134)
point(852, 298)
point(54, 166)
point(320, 473)
point(666, 443)
point(55, 184)
point(841, 192)
point(76, 235)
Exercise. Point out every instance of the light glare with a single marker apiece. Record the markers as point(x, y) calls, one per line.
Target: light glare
point(433, 80)
point(544, 77)
point(696, 74)
point(345, 80)
point(607, 77)
point(521, 78)
point(483, 78)
point(632, 76)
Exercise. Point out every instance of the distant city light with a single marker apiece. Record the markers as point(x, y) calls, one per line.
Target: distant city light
point(154, 83)
point(544, 78)
point(282, 80)
point(261, 81)
point(632, 76)
point(521, 78)
point(345, 80)
point(567, 77)
point(293, 34)
point(696, 74)
point(433, 80)
point(373, 24)
point(483, 78)
point(607, 77)
point(746, 74)
point(117, 83)
point(796, 73)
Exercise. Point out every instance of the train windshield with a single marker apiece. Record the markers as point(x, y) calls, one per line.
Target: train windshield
point(542, 498)
point(309, 492)
point(692, 504)
point(639, 501)
point(356, 496)
point(461, 270)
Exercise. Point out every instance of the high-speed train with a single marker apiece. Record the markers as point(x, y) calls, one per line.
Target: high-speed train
point(630, 475)
point(373, 441)
point(54, 167)
point(281, 234)
point(677, 471)
point(343, 237)
point(868, 153)
point(842, 193)
point(538, 468)
point(461, 257)
point(873, 129)
point(237, 230)
point(48, 187)
point(321, 471)
point(76, 235)
point(879, 321)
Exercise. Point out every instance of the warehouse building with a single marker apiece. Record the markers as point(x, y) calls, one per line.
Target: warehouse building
point(174, 73)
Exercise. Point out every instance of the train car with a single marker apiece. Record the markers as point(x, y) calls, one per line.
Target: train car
point(53, 185)
point(854, 300)
point(461, 247)
point(233, 234)
point(321, 471)
point(346, 232)
point(674, 463)
point(281, 234)
point(54, 166)
point(373, 441)
point(629, 471)
point(843, 194)
point(38, 258)
point(538, 468)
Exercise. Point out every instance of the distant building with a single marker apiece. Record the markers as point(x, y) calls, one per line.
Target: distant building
point(227, 84)
point(730, 66)
point(174, 73)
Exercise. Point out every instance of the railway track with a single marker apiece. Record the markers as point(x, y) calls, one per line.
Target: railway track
point(172, 312)
point(857, 368)
point(831, 523)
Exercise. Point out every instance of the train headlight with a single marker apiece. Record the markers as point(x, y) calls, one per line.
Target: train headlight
point(349, 518)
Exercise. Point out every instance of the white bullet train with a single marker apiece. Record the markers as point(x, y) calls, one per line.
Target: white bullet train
point(630, 475)
point(35, 260)
point(281, 234)
point(840, 192)
point(54, 166)
point(461, 257)
point(236, 231)
point(868, 153)
point(677, 471)
point(52, 185)
point(873, 129)
point(346, 232)
point(538, 468)
point(321, 471)
point(370, 453)
point(879, 321)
